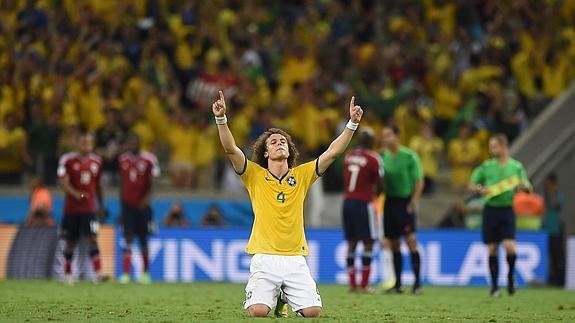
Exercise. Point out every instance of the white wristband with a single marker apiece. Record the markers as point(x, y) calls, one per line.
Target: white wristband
point(352, 125)
point(222, 120)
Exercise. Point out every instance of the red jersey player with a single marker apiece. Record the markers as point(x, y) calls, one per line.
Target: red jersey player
point(363, 170)
point(136, 171)
point(79, 173)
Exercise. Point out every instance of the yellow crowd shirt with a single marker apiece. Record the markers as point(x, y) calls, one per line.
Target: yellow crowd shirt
point(555, 78)
point(182, 141)
point(428, 151)
point(10, 143)
point(463, 156)
point(278, 203)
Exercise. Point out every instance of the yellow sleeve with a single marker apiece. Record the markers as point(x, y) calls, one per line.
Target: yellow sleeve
point(248, 175)
point(309, 172)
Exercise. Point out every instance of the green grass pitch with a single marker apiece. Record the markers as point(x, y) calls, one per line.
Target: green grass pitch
point(22, 301)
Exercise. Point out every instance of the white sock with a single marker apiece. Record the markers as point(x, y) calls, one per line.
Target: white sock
point(387, 273)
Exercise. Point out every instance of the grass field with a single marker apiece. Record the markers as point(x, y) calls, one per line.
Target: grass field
point(22, 301)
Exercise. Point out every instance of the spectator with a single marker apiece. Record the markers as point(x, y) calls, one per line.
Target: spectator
point(213, 217)
point(176, 218)
point(182, 139)
point(78, 57)
point(454, 217)
point(67, 140)
point(205, 154)
point(13, 151)
point(40, 213)
point(109, 140)
point(555, 73)
point(43, 143)
point(553, 225)
point(409, 118)
point(529, 207)
point(463, 156)
point(429, 149)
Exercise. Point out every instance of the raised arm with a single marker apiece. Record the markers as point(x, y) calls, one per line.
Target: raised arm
point(234, 153)
point(340, 143)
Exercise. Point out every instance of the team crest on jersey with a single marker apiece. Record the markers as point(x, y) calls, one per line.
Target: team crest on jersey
point(291, 181)
point(94, 168)
point(141, 166)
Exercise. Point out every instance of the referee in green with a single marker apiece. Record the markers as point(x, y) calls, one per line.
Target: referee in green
point(403, 184)
point(497, 179)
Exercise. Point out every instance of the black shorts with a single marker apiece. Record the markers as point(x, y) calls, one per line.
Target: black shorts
point(498, 224)
point(396, 220)
point(358, 220)
point(75, 226)
point(136, 221)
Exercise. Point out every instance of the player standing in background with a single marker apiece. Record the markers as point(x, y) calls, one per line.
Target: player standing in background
point(403, 185)
point(497, 179)
point(137, 168)
point(363, 170)
point(79, 173)
point(277, 189)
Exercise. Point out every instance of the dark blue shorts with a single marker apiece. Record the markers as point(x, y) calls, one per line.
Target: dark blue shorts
point(358, 220)
point(396, 220)
point(75, 226)
point(498, 224)
point(136, 221)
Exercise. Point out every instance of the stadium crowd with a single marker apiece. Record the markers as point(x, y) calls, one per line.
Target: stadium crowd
point(447, 73)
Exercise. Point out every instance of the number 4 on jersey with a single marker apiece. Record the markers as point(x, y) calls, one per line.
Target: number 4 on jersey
point(281, 197)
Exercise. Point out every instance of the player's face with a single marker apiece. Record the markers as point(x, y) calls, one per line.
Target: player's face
point(495, 147)
point(389, 137)
point(277, 147)
point(132, 145)
point(85, 144)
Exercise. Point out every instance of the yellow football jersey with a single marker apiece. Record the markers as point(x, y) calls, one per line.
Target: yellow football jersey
point(278, 208)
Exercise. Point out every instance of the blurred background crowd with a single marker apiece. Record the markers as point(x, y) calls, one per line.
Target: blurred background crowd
point(448, 73)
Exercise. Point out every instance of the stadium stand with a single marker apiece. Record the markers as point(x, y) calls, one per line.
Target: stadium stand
point(154, 66)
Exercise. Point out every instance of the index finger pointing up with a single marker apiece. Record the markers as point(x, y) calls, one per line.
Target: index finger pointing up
point(222, 96)
point(352, 102)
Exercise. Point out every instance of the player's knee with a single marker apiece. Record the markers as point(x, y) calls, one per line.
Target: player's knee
point(313, 311)
point(509, 246)
point(70, 246)
point(412, 245)
point(367, 245)
point(258, 310)
point(492, 249)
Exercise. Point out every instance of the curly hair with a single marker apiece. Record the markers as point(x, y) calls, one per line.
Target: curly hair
point(260, 147)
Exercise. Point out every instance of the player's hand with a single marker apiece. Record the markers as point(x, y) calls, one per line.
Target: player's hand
point(410, 208)
point(81, 195)
point(482, 190)
point(523, 188)
point(219, 107)
point(355, 111)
